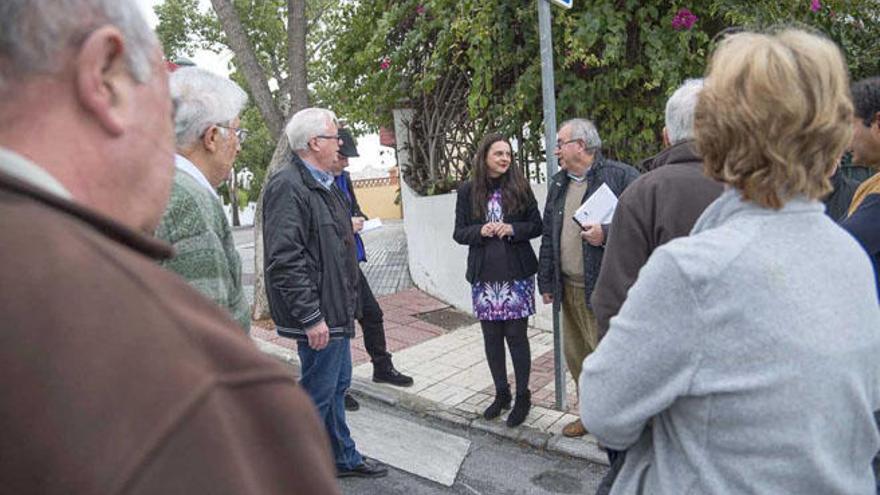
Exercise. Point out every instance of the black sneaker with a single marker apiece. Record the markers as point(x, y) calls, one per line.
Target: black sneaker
point(391, 376)
point(350, 403)
point(370, 468)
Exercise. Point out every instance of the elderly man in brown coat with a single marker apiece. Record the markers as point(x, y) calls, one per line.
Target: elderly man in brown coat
point(117, 377)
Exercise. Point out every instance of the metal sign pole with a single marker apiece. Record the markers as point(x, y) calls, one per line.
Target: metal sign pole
point(549, 97)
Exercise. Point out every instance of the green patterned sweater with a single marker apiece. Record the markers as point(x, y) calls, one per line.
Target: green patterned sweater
point(205, 255)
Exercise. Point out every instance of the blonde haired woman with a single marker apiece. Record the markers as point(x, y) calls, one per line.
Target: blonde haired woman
point(744, 359)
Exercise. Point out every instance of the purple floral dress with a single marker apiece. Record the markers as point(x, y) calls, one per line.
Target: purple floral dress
point(506, 299)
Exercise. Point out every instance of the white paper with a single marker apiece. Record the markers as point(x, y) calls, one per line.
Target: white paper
point(598, 208)
point(371, 224)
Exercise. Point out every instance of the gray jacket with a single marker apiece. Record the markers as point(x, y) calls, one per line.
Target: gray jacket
point(744, 360)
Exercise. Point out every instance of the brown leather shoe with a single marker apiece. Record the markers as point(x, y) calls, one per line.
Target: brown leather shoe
point(574, 429)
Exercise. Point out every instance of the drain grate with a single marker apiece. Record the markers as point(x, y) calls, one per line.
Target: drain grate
point(447, 318)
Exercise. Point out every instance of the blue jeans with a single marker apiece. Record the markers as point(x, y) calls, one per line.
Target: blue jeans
point(326, 375)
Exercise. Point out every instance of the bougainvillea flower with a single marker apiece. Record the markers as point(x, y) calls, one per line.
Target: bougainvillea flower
point(684, 19)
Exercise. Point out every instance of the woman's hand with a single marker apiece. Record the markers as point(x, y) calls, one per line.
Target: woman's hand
point(503, 230)
point(488, 229)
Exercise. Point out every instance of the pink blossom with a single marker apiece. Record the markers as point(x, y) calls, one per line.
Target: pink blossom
point(385, 64)
point(420, 9)
point(815, 5)
point(684, 19)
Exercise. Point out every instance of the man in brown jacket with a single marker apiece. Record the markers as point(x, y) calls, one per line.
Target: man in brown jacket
point(117, 377)
point(657, 207)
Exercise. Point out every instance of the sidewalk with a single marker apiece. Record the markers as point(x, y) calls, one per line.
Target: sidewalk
point(452, 379)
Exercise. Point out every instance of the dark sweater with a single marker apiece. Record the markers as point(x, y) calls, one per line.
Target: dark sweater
point(656, 208)
point(864, 225)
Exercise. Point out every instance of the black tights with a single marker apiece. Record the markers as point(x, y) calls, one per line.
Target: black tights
point(515, 331)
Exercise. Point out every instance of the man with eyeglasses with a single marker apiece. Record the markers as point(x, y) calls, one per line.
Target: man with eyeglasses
point(571, 254)
point(312, 274)
point(208, 138)
point(117, 376)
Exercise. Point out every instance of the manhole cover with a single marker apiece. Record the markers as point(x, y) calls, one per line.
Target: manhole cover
point(447, 318)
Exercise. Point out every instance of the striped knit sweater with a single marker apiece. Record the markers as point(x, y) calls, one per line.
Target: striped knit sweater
point(205, 255)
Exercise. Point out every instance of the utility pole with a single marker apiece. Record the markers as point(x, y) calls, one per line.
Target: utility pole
point(549, 96)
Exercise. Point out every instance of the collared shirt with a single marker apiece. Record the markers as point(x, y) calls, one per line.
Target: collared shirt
point(577, 178)
point(23, 169)
point(189, 168)
point(322, 177)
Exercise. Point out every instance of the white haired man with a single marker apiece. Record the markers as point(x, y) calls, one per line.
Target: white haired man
point(118, 377)
point(571, 254)
point(657, 207)
point(312, 274)
point(208, 134)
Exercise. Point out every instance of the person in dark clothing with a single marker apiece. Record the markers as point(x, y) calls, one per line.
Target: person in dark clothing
point(571, 254)
point(863, 221)
point(657, 207)
point(312, 275)
point(843, 188)
point(864, 225)
point(371, 319)
point(495, 216)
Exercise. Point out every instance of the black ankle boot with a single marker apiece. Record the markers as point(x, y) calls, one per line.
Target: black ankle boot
point(502, 401)
point(520, 409)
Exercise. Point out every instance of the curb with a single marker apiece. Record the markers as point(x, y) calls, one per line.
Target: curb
point(586, 448)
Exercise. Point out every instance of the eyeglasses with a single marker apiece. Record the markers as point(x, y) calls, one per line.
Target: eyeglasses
point(560, 144)
point(337, 138)
point(240, 133)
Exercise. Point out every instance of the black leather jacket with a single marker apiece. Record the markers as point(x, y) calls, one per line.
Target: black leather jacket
point(310, 266)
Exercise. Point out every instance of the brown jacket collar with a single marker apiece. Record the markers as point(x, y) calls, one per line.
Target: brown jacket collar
point(146, 245)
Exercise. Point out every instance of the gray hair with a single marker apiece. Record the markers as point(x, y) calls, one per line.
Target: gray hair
point(35, 33)
point(306, 124)
point(584, 130)
point(202, 99)
point(680, 111)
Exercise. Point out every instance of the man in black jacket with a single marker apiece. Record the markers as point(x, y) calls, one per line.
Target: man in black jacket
point(312, 274)
point(371, 319)
point(571, 254)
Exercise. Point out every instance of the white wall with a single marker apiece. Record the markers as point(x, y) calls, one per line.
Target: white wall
point(437, 264)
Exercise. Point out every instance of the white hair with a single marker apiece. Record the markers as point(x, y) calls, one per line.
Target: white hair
point(306, 124)
point(202, 99)
point(584, 130)
point(680, 111)
point(35, 33)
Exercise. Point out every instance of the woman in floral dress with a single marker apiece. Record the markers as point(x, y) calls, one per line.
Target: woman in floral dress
point(495, 216)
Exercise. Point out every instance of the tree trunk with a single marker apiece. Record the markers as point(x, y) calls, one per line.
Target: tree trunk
point(233, 199)
point(282, 155)
point(247, 61)
point(296, 55)
point(299, 99)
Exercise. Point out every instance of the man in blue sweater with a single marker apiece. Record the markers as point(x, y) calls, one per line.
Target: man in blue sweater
point(371, 321)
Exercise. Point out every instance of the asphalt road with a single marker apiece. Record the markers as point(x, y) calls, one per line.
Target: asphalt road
point(492, 466)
